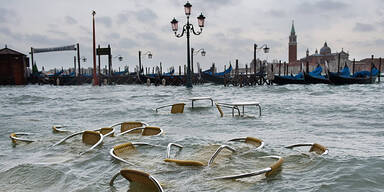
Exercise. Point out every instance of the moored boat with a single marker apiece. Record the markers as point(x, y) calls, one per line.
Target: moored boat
point(315, 76)
point(217, 78)
point(361, 77)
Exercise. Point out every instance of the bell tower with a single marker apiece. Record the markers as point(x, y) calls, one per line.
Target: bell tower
point(292, 45)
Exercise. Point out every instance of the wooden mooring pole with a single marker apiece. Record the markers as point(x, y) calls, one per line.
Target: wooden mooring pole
point(379, 68)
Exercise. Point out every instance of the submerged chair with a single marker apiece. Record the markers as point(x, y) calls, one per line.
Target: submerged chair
point(119, 150)
point(58, 129)
point(218, 106)
point(145, 131)
point(93, 138)
point(128, 125)
point(193, 99)
point(268, 171)
point(193, 162)
point(176, 108)
point(251, 140)
point(139, 181)
point(315, 147)
point(15, 138)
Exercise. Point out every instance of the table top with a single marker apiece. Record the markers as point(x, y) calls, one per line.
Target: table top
point(245, 103)
point(200, 98)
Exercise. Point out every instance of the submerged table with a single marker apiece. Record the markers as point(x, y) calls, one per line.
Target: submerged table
point(193, 99)
point(241, 104)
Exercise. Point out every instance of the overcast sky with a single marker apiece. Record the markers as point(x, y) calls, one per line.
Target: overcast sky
point(232, 27)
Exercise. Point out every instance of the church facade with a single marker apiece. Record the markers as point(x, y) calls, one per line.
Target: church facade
point(336, 60)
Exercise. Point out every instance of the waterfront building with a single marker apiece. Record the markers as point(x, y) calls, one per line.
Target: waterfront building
point(13, 67)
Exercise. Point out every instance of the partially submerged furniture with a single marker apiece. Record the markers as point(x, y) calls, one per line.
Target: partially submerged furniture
point(193, 162)
point(193, 99)
point(128, 125)
point(139, 181)
point(15, 137)
point(119, 151)
point(59, 129)
point(175, 108)
point(250, 140)
point(268, 171)
point(93, 138)
point(315, 147)
point(237, 106)
point(145, 131)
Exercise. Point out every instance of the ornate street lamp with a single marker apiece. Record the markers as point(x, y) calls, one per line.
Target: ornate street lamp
point(149, 54)
point(187, 28)
point(119, 57)
point(193, 52)
point(255, 48)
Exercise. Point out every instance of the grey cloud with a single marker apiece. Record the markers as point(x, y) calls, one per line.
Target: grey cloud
point(322, 6)
point(362, 27)
point(148, 36)
point(146, 15)
point(5, 31)
point(105, 20)
point(127, 43)
point(330, 5)
point(123, 17)
point(215, 4)
point(369, 43)
point(47, 41)
point(70, 20)
point(277, 13)
point(379, 41)
point(7, 16)
point(143, 15)
point(56, 32)
point(113, 36)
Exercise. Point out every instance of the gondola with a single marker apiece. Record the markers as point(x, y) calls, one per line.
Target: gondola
point(315, 76)
point(289, 79)
point(217, 78)
point(361, 77)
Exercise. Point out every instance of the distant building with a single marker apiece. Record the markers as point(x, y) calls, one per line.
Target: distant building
point(292, 45)
point(335, 60)
point(13, 67)
point(325, 55)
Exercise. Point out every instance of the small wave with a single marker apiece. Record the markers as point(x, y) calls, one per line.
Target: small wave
point(30, 177)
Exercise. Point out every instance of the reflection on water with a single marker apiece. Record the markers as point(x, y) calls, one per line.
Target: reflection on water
point(346, 119)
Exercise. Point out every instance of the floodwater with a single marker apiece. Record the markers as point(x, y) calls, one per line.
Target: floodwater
point(346, 119)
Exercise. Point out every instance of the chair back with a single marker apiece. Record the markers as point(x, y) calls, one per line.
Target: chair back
point(140, 181)
point(275, 167)
point(91, 137)
point(318, 149)
point(130, 125)
point(13, 135)
point(177, 108)
point(220, 110)
point(123, 148)
point(148, 131)
point(106, 130)
point(253, 141)
point(184, 162)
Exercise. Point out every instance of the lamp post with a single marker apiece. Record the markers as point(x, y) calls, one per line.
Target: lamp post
point(95, 79)
point(149, 53)
point(255, 48)
point(193, 52)
point(187, 28)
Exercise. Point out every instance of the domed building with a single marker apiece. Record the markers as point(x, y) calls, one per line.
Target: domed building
point(325, 50)
point(336, 61)
point(326, 55)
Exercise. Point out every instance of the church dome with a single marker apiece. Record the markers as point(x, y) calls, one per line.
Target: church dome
point(325, 50)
